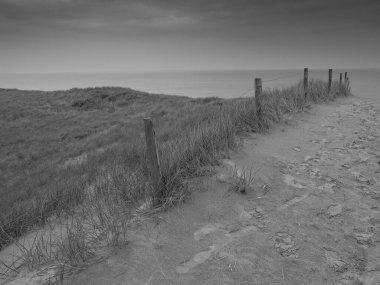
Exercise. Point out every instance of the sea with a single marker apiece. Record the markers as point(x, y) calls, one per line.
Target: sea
point(212, 83)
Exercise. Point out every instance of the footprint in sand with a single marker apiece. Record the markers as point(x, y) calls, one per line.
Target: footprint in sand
point(335, 262)
point(364, 238)
point(284, 244)
point(245, 215)
point(293, 201)
point(206, 230)
point(360, 178)
point(296, 148)
point(197, 259)
point(327, 187)
point(315, 173)
point(242, 265)
point(292, 182)
point(307, 158)
point(334, 210)
point(219, 244)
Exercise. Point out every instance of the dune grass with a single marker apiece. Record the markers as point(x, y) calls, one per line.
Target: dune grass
point(86, 147)
point(204, 136)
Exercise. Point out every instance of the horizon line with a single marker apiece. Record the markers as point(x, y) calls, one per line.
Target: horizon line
point(182, 70)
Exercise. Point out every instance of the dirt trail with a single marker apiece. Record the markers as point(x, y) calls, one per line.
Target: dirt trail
point(311, 217)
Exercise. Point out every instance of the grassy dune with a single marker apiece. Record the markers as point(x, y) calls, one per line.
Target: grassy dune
point(81, 146)
point(56, 144)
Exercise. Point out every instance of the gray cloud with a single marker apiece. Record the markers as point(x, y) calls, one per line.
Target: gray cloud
point(198, 27)
point(198, 15)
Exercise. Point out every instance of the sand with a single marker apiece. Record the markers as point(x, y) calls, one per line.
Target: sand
point(311, 215)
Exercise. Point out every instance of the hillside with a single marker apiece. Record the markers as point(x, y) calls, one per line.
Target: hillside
point(55, 142)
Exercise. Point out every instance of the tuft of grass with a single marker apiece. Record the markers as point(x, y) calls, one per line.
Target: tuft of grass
point(243, 179)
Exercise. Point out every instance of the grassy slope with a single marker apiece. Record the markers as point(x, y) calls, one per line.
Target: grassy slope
point(42, 131)
point(102, 129)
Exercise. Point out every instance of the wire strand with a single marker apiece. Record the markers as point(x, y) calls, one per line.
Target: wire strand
point(283, 77)
point(243, 94)
point(246, 92)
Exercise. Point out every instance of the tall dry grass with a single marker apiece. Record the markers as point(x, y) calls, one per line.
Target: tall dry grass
point(202, 137)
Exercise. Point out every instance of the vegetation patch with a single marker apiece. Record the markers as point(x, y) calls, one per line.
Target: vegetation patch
point(45, 130)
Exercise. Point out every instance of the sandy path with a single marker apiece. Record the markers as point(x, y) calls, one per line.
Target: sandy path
point(312, 216)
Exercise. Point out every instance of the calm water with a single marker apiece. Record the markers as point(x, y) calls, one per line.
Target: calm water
point(225, 84)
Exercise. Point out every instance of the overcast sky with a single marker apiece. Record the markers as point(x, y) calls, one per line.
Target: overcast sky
point(117, 35)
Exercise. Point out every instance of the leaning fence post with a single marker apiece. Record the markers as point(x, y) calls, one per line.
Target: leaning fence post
point(305, 80)
point(154, 163)
point(330, 81)
point(258, 93)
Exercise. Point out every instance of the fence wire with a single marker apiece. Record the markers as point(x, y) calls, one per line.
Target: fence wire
point(283, 77)
point(297, 75)
point(245, 93)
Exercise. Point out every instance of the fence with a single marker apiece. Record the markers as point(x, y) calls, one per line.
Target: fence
point(151, 147)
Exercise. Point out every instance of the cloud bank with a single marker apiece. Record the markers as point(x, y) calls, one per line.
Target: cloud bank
point(97, 35)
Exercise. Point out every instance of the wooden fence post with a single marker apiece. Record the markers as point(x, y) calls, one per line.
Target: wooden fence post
point(346, 83)
point(154, 163)
point(305, 80)
point(258, 93)
point(330, 81)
